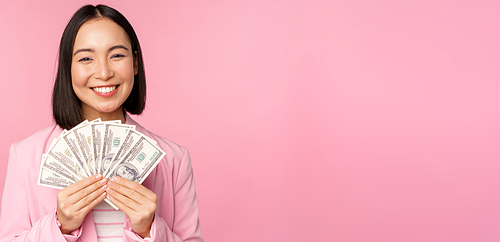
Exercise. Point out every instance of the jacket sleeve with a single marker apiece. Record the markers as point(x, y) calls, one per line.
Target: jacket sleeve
point(15, 219)
point(186, 227)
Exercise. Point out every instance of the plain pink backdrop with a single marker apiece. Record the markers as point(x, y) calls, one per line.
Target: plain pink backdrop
point(345, 121)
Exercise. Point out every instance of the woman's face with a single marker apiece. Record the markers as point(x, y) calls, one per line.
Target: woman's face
point(102, 67)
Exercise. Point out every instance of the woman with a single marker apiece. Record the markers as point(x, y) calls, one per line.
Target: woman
point(100, 75)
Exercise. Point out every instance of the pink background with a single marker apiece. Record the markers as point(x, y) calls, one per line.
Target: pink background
point(306, 120)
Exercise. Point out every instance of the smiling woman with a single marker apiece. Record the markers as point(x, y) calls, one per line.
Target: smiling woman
point(99, 51)
point(100, 75)
point(102, 68)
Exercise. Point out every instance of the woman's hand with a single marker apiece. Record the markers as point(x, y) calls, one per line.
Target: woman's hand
point(135, 200)
point(75, 201)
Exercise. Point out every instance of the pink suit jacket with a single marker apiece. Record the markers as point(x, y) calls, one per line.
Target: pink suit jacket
point(28, 210)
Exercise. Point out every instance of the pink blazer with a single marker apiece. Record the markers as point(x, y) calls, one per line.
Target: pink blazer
point(28, 210)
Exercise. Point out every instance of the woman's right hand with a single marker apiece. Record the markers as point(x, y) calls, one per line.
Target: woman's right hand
point(75, 201)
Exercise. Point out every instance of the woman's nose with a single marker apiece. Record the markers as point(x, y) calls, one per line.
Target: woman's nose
point(103, 71)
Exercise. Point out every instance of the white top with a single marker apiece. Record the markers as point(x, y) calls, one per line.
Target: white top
point(108, 222)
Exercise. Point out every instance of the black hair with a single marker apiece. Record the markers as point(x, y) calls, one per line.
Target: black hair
point(66, 107)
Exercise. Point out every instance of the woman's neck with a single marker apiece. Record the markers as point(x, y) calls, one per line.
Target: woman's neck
point(90, 115)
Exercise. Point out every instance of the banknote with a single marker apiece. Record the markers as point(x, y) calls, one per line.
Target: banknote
point(71, 140)
point(61, 151)
point(97, 120)
point(98, 139)
point(132, 138)
point(50, 163)
point(83, 135)
point(142, 148)
point(139, 161)
point(114, 134)
point(50, 179)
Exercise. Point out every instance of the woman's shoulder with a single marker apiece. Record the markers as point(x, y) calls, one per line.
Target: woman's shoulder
point(40, 138)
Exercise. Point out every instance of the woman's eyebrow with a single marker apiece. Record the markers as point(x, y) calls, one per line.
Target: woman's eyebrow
point(117, 47)
point(83, 50)
point(92, 50)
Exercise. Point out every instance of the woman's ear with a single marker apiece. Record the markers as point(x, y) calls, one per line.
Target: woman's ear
point(136, 63)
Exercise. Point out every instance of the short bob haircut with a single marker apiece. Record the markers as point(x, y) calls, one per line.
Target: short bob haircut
point(65, 104)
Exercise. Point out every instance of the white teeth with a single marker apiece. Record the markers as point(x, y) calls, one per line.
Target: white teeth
point(104, 89)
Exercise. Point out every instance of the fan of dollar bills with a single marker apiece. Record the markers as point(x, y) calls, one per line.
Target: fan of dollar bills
point(106, 147)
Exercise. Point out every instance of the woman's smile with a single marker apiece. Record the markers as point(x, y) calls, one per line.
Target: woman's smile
point(106, 91)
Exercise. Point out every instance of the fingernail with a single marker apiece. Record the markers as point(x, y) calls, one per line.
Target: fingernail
point(109, 190)
point(111, 184)
point(98, 176)
point(103, 181)
point(116, 178)
point(104, 187)
point(103, 194)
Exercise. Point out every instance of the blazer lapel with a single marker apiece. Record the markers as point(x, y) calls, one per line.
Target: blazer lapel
point(88, 233)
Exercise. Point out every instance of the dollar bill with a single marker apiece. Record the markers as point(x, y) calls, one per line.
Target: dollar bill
point(50, 179)
point(65, 156)
point(98, 139)
point(49, 163)
point(83, 136)
point(114, 134)
point(72, 142)
point(139, 161)
point(132, 138)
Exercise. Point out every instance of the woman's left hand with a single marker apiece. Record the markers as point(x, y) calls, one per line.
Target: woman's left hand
point(135, 200)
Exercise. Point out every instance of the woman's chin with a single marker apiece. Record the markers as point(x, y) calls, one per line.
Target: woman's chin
point(110, 109)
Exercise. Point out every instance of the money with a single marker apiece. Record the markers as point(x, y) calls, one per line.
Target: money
point(72, 143)
point(50, 179)
point(132, 138)
point(64, 155)
point(97, 140)
point(51, 164)
point(83, 135)
point(114, 134)
point(106, 147)
point(139, 161)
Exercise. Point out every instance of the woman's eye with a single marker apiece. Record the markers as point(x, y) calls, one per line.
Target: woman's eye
point(117, 56)
point(84, 59)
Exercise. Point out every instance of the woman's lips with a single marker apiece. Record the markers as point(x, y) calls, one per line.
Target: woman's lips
point(105, 91)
